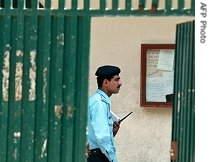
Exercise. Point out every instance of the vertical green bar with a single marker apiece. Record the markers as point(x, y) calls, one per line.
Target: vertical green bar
point(34, 4)
point(61, 4)
point(181, 95)
point(68, 118)
point(183, 121)
point(188, 91)
point(15, 89)
point(177, 85)
point(86, 5)
point(20, 4)
point(5, 50)
point(142, 3)
point(74, 4)
point(193, 5)
point(192, 119)
point(168, 5)
point(48, 4)
point(7, 4)
point(81, 93)
point(102, 5)
point(29, 88)
point(115, 5)
point(177, 73)
point(155, 2)
point(42, 88)
point(56, 89)
point(181, 5)
point(187, 139)
point(191, 82)
point(128, 5)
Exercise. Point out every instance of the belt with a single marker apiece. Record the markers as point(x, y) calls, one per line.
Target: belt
point(96, 151)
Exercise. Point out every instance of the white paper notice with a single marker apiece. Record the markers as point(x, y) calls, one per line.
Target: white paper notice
point(152, 62)
point(166, 60)
point(155, 90)
point(168, 78)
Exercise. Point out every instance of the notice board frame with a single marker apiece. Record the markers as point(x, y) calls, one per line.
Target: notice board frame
point(144, 51)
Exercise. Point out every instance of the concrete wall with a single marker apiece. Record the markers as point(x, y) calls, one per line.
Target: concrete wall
point(144, 136)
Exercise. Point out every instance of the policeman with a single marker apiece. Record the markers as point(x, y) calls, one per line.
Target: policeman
point(101, 126)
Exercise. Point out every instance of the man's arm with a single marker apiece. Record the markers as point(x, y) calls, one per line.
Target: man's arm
point(102, 130)
point(116, 125)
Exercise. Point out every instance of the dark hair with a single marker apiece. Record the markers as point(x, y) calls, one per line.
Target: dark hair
point(101, 79)
point(106, 72)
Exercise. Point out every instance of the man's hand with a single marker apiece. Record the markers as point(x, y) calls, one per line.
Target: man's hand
point(116, 127)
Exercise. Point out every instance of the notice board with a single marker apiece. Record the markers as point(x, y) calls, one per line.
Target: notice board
point(157, 75)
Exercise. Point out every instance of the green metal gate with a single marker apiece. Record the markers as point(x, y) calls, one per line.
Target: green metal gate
point(183, 130)
point(44, 66)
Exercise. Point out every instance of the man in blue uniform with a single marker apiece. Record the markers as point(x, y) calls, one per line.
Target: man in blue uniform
point(101, 126)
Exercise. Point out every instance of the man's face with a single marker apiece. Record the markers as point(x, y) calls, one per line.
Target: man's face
point(113, 86)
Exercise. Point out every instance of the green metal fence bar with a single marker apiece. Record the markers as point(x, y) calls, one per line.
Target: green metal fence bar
point(115, 5)
point(181, 5)
point(34, 4)
point(20, 4)
point(86, 5)
point(181, 101)
point(128, 5)
point(102, 5)
point(186, 134)
point(42, 88)
point(189, 92)
point(17, 104)
point(5, 49)
point(177, 79)
point(7, 4)
point(69, 83)
point(185, 87)
point(14, 109)
point(61, 4)
point(47, 4)
point(29, 88)
point(82, 89)
point(191, 105)
point(2, 107)
point(168, 4)
point(56, 75)
point(142, 4)
point(192, 4)
point(155, 3)
point(74, 4)
point(192, 95)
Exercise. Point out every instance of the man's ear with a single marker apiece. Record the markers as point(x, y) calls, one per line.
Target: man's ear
point(106, 81)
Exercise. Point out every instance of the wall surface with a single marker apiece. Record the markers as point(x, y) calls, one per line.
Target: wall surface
point(144, 136)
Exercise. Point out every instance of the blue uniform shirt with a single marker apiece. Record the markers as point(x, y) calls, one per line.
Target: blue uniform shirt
point(100, 125)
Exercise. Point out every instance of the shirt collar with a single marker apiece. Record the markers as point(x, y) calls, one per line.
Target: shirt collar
point(104, 96)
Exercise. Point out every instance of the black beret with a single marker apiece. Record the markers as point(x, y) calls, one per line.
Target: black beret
point(107, 71)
